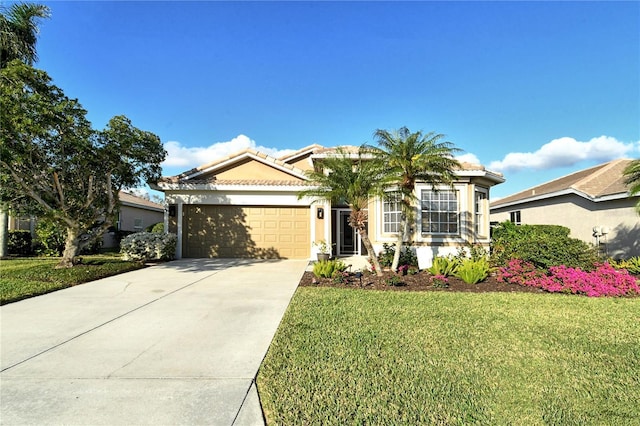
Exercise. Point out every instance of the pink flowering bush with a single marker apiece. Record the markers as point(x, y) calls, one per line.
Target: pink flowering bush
point(602, 281)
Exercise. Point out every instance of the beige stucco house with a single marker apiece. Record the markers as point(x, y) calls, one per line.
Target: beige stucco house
point(593, 203)
point(246, 205)
point(134, 215)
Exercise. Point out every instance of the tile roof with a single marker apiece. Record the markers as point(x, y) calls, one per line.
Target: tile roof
point(185, 176)
point(301, 151)
point(598, 181)
point(131, 199)
point(258, 182)
point(319, 151)
point(348, 149)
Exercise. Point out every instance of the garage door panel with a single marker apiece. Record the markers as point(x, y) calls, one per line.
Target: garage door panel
point(250, 231)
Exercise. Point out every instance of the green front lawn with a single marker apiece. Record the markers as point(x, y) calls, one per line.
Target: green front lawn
point(344, 356)
point(28, 277)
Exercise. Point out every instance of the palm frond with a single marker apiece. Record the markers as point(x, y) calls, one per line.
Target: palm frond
point(632, 179)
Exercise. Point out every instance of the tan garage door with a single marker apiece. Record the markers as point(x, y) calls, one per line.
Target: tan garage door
point(249, 231)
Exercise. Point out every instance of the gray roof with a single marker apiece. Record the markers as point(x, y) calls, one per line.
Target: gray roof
point(595, 182)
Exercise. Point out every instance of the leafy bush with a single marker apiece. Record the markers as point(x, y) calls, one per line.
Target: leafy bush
point(472, 251)
point(51, 237)
point(511, 232)
point(20, 243)
point(157, 228)
point(144, 246)
point(445, 266)
point(632, 264)
point(326, 268)
point(473, 271)
point(407, 256)
point(542, 245)
point(604, 280)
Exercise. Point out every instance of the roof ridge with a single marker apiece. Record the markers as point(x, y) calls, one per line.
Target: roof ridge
point(300, 151)
point(602, 168)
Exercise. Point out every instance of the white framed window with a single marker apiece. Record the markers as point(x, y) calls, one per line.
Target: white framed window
point(514, 217)
point(480, 210)
point(137, 224)
point(440, 212)
point(391, 213)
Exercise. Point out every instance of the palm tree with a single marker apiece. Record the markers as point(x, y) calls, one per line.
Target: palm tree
point(19, 31)
point(18, 36)
point(351, 179)
point(409, 158)
point(632, 179)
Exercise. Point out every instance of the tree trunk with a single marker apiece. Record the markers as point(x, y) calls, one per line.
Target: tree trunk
point(4, 233)
point(402, 236)
point(71, 249)
point(372, 253)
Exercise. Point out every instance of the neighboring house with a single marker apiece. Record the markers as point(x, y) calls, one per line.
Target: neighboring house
point(135, 214)
point(246, 205)
point(593, 203)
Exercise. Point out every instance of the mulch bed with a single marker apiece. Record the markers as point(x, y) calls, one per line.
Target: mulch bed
point(417, 282)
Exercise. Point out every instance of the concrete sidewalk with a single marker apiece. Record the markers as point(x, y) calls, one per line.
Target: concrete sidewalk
point(178, 343)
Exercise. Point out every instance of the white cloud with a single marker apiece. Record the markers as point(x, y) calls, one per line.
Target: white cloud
point(187, 158)
point(468, 158)
point(564, 152)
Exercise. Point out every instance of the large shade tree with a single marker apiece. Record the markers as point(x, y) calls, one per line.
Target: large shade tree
point(351, 179)
point(53, 164)
point(411, 157)
point(18, 37)
point(632, 179)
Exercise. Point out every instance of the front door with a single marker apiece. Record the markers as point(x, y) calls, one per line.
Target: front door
point(348, 238)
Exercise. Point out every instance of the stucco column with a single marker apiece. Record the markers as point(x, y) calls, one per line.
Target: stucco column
point(165, 217)
point(179, 222)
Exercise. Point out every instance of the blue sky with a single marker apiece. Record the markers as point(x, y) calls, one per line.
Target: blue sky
point(534, 90)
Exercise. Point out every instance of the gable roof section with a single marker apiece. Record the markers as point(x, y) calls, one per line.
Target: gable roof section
point(206, 173)
point(131, 200)
point(597, 183)
point(290, 158)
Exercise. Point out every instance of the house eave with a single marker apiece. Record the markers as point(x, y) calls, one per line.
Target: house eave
point(570, 191)
point(184, 186)
point(493, 177)
point(140, 206)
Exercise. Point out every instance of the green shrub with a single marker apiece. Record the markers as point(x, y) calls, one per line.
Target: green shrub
point(407, 256)
point(51, 237)
point(158, 228)
point(542, 245)
point(20, 243)
point(144, 246)
point(473, 271)
point(632, 264)
point(445, 266)
point(326, 268)
point(471, 251)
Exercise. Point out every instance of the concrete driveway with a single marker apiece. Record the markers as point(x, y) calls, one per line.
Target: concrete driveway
point(178, 343)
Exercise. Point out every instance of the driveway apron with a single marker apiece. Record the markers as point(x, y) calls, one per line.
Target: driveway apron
point(177, 343)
